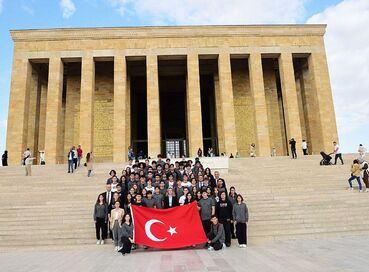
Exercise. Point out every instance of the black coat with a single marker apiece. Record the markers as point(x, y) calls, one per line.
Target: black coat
point(174, 202)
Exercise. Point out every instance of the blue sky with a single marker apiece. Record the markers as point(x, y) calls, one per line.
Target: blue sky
point(352, 114)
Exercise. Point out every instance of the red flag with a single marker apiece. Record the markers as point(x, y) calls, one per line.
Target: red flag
point(171, 228)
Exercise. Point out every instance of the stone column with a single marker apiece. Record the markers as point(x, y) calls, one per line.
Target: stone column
point(290, 103)
point(87, 104)
point(194, 118)
point(261, 115)
point(226, 102)
point(16, 138)
point(120, 110)
point(153, 107)
point(53, 111)
point(325, 124)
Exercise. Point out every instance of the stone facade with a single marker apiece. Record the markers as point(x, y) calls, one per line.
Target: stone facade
point(77, 86)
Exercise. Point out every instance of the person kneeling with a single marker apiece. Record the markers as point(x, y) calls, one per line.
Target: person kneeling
point(216, 236)
point(126, 234)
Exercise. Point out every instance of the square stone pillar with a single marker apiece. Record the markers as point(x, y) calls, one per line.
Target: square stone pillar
point(153, 107)
point(321, 88)
point(120, 144)
point(53, 112)
point(290, 103)
point(261, 114)
point(16, 138)
point(226, 102)
point(87, 104)
point(194, 117)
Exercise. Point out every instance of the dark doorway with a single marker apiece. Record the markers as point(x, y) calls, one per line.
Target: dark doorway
point(172, 89)
point(137, 78)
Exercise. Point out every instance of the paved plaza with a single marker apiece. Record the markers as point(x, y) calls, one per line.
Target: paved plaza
point(328, 255)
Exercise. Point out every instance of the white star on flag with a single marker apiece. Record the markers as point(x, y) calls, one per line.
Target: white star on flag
point(172, 231)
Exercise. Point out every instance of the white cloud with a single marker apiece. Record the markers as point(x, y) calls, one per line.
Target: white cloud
point(212, 11)
point(68, 8)
point(347, 40)
point(28, 9)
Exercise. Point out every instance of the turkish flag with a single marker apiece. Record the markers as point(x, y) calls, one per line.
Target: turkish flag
point(170, 228)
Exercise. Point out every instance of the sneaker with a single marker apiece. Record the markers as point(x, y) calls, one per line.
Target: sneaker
point(102, 242)
point(116, 248)
point(360, 191)
point(367, 190)
point(224, 246)
point(244, 245)
point(210, 248)
point(98, 242)
point(119, 249)
point(240, 246)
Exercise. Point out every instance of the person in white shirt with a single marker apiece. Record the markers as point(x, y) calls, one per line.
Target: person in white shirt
point(182, 199)
point(27, 161)
point(304, 147)
point(337, 153)
point(362, 151)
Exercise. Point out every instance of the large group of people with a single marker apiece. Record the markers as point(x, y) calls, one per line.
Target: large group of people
point(162, 184)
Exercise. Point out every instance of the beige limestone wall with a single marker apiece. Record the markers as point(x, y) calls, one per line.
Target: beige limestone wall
point(72, 107)
point(103, 118)
point(274, 110)
point(32, 114)
point(42, 119)
point(243, 107)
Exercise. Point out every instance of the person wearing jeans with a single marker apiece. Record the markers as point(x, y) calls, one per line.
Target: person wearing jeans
point(355, 174)
point(70, 160)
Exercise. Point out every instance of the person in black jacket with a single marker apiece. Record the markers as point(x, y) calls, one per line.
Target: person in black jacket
point(292, 143)
point(4, 158)
point(170, 200)
point(224, 213)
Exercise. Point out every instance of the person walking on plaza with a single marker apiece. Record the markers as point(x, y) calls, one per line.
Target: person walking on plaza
point(355, 174)
point(304, 147)
point(4, 158)
point(101, 219)
point(362, 151)
point(216, 235)
point(75, 157)
point(115, 220)
point(337, 153)
point(126, 235)
point(89, 163)
point(27, 161)
point(241, 217)
point(364, 168)
point(70, 160)
point(79, 155)
point(292, 143)
point(252, 150)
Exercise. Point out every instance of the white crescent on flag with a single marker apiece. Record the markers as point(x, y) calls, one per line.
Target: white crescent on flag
point(149, 233)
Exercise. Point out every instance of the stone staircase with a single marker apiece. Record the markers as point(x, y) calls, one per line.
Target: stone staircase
point(287, 199)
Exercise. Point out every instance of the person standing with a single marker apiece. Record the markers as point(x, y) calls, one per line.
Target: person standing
point(355, 174)
point(337, 153)
point(89, 162)
point(206, 207)
point(304, 147)
point(199, 152)
point(28, 160)
point(4, 158)
point(115, 219)
point(79, 155)
point(75, 157)
point(362, 151)
point(292, 143)
point(241, 217)
point(364, 168)
point(224, 214)
point(252, 150)
point(70, 160)
point(101, 219)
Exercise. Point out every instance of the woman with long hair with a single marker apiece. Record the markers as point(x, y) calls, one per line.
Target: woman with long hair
point(101, 219)
point(89, 163)
point(126, 235)
point(115, 219)
point(189, 198)
point(240, 216)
